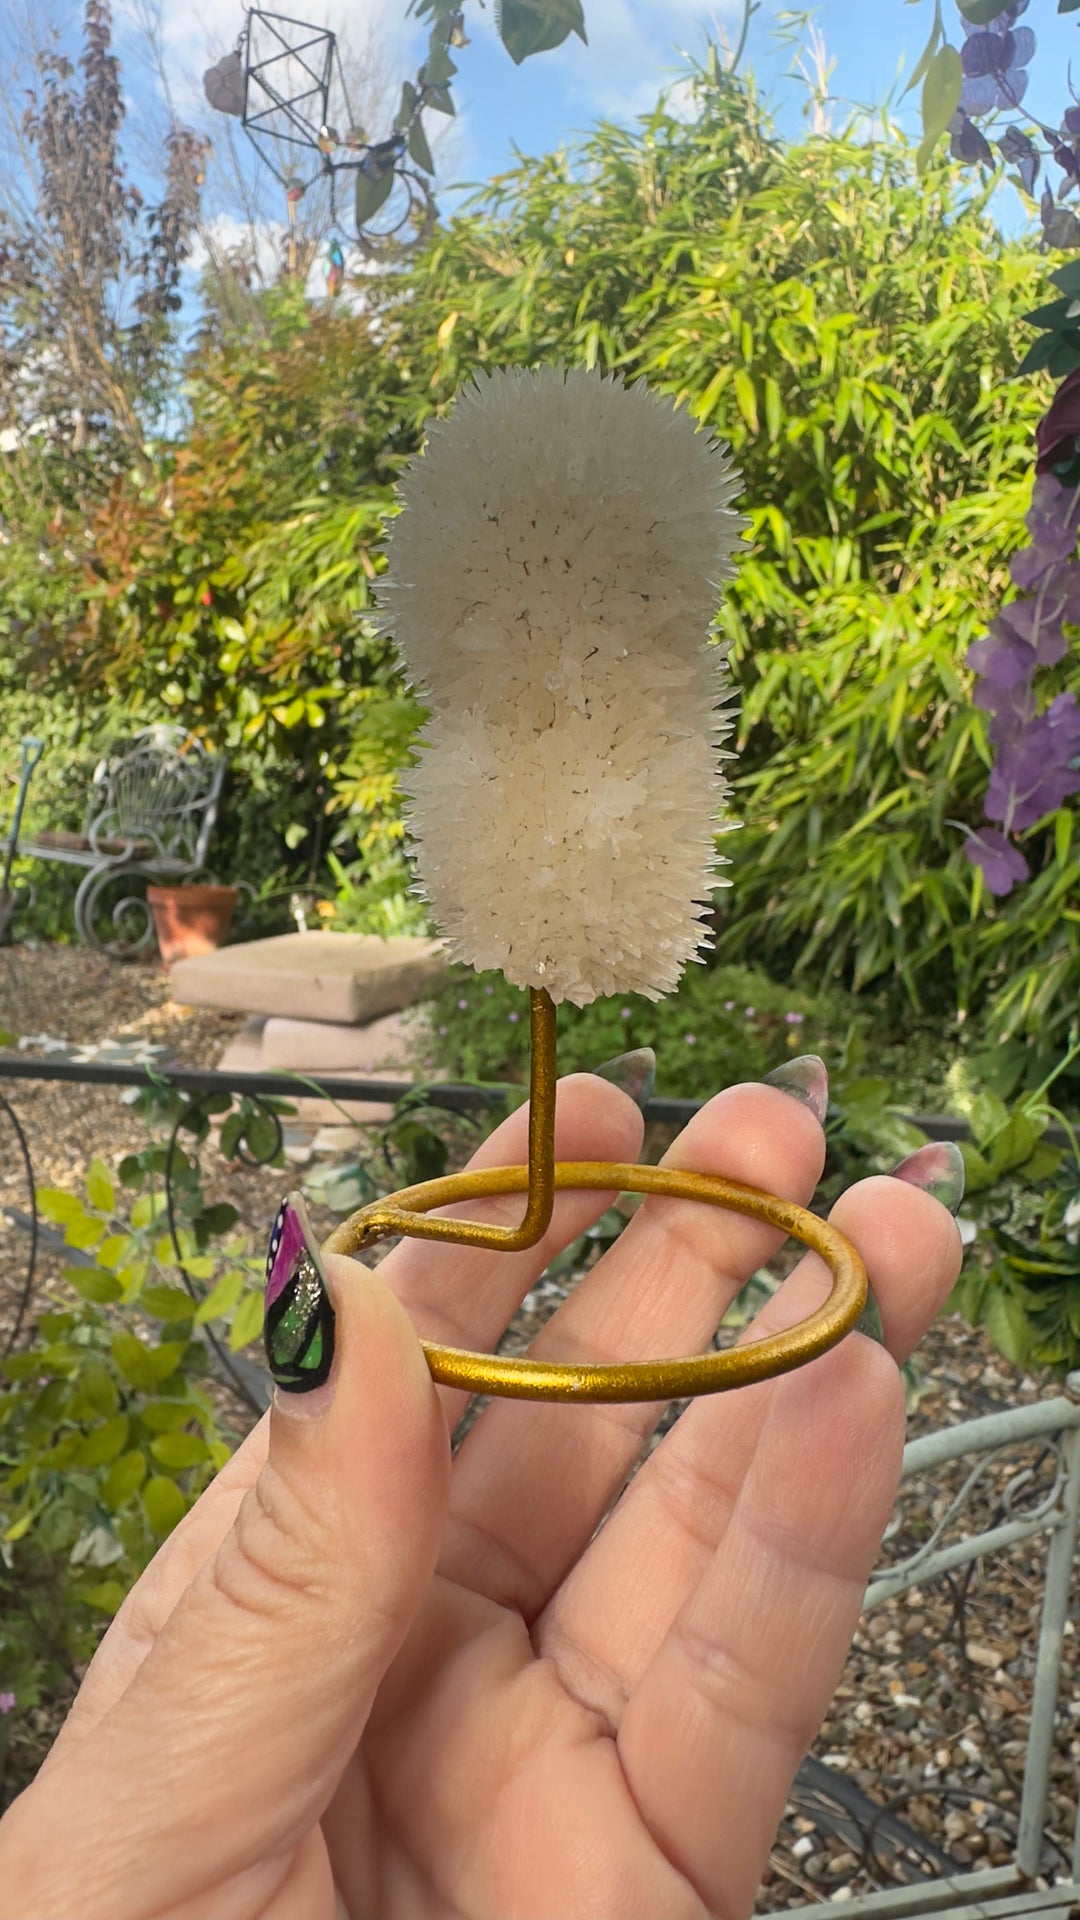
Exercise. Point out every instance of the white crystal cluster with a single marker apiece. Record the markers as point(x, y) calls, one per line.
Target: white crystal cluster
point(554, 577)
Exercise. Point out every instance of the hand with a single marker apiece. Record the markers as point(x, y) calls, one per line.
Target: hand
point(357, 1683)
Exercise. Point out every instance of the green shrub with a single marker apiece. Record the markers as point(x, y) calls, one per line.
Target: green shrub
point(108, 1433)
point(724, 1024)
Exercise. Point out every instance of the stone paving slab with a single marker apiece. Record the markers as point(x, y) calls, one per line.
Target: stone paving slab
point(344, 978)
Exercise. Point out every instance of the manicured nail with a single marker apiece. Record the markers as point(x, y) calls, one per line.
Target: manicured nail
point(634, 1072)
point(299, 1327)
point(937, 1168)
point(806, 1079)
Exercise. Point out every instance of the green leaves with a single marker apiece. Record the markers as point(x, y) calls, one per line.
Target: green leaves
point(981, 12)
point(247, 1322)
point(99, 1187)
point(163, 1504)
point(535, 26)
point(942, 84)
point(372, 192)
point(419, 149)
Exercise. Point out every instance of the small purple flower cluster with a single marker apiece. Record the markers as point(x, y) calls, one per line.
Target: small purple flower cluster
point(1037, 764)
point(993, 58)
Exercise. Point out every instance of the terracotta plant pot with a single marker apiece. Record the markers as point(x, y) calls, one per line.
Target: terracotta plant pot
point(191, 920)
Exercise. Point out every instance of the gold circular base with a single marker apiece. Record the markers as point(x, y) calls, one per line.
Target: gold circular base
point(527, 1379)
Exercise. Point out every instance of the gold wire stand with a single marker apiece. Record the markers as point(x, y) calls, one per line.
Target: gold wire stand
point(408, 1212)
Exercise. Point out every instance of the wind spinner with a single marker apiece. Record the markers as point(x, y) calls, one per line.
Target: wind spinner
point(552, 587)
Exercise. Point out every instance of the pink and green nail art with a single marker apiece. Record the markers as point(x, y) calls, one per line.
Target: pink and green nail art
point(299, 1326)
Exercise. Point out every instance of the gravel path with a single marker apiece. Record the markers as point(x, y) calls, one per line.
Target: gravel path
point(930, 1718)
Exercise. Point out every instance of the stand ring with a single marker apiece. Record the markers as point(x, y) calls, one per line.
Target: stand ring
point(527, 1379)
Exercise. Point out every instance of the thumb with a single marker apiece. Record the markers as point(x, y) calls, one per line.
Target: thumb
point(238, 1724)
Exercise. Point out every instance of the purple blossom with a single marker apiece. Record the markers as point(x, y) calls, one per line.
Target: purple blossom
point(728, 1004)
point(968, 141)
point(1019, 150)
point(1032, 775)
point(993, 59)
point(7, 1702)
point(1053, 517)
point(463, 1004)
point(1001, 659)
point(750, 1013)
point(1039, 619)
point(794, 1019)
point(513, 1017)
point(625, 1013)
point(691, 1039)
point(1002, 863)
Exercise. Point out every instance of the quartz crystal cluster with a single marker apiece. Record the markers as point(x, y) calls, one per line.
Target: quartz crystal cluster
point(553, 581)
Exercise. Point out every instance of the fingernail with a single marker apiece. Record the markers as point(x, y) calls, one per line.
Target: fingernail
point(298, 1330)
point(869, 1320)
point(937, 1168)
point(806, 1079)
point(634, 1072)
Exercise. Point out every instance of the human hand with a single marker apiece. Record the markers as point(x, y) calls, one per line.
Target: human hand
point(358, 1683)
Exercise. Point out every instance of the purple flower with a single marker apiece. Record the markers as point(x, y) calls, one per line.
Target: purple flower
point(1002, 864)
point(968, 141)
point(993, 59)
point(1039, 619)
point(691, 1039)
point(750, 1013)
point(794, 1019)
point(513, 1017)
point(728, 1004)
point(463, 1004)
point(625, 1013)
point(1055, 435)
point(1018, 150)
point(1052, 520)
point(1002, 659)
point(7, 1702)
point(443, 1031)
point(1032, 775)
point(489, 991)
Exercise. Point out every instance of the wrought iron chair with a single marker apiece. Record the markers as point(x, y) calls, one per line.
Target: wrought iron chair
point(149, 819)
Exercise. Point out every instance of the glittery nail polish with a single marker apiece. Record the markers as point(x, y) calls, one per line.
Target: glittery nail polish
point(937, 1168)
point(806, 1079)
point(298, 1330)
point(634, 1072)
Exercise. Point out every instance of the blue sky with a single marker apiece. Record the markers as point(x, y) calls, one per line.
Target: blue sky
point(634, 48)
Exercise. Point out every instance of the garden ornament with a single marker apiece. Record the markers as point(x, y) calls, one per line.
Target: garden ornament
point(30, 753)
point(553, 580)
point(285, 83)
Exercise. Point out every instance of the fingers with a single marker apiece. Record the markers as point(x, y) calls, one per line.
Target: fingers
point(712, 1735)
point(458, 1297)
point(270, 1659)
point(607, 1621)
point(532, 1480)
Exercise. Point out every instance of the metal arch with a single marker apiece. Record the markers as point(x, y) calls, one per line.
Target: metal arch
point(27, 1287)
point(999, 1893)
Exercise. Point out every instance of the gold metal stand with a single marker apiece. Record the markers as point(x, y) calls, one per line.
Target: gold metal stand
point(408, 1212)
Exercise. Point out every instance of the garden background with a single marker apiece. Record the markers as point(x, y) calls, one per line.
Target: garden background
point(193, 533)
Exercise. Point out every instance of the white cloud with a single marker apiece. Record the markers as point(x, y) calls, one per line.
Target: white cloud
point(259, 243)
point(634, 50)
